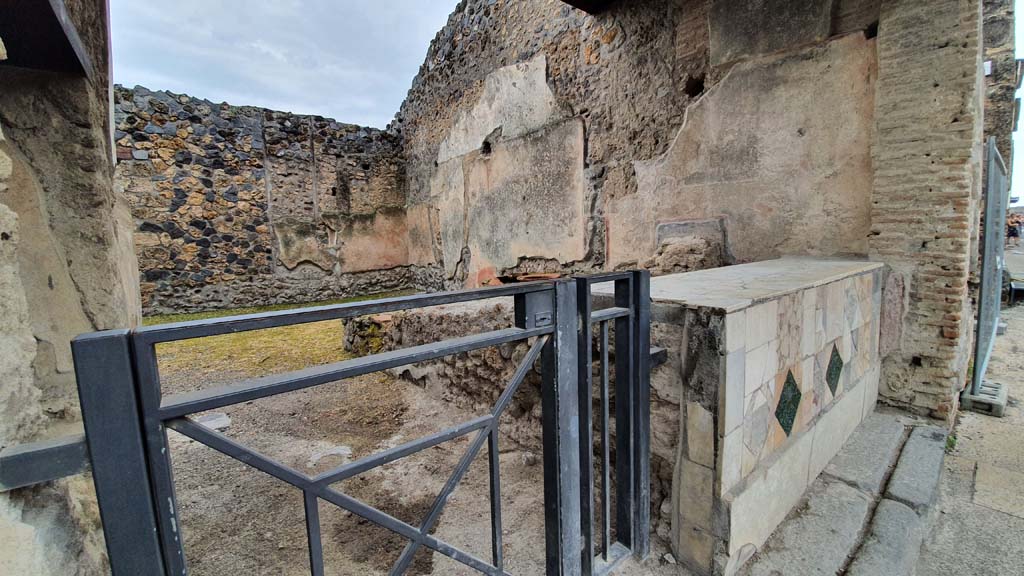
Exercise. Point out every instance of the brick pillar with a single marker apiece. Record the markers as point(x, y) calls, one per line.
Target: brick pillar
point(927, 159)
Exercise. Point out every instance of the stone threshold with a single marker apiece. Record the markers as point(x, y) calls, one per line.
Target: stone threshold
point(869, 511)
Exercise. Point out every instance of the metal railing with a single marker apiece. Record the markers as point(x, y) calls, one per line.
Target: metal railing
point(127, 416)
point(630, 314)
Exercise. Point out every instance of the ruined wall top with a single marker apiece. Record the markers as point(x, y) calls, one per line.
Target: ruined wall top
point(239, 205)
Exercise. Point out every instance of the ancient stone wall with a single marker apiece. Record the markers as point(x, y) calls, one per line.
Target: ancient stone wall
point(238, 206)
point(698, 141)
point(66, 267)
point(1001, 85)
point(927, 184)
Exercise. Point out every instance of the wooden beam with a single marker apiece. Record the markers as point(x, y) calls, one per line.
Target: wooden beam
point(38, 34)
point(590, 6)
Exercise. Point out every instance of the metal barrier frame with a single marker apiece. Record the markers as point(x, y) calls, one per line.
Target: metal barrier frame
point(631, 314)
point(126, 418)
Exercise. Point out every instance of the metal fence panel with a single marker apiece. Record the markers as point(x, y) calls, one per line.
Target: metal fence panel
point(993, 243)
point(127, 418)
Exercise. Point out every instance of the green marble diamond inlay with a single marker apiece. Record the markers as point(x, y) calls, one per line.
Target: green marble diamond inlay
point(789, 404)
point(835, 369)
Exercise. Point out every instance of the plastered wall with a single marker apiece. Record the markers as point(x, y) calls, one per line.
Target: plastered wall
point(240, 206)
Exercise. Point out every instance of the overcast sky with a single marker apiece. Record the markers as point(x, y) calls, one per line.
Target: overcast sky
point(351, 60)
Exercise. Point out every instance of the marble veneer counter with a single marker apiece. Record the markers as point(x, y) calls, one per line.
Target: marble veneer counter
point(733, 288)
point(772, 367)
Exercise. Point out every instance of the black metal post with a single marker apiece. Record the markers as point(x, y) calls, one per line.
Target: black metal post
point(106, 390)
point(624, 414)
point(586, 355)
point(642, 413)
point(560, 417)
point(158, 454)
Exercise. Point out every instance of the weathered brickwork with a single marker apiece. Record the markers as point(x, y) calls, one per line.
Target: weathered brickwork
point(926, 189)
point(238, 206)
point(1001, 85)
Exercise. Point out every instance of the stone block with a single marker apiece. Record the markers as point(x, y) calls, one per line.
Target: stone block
point(790, 327)
point(817, 540)
point(762, 324)
point(700, 435)
point(730, 461)
point(694, 547)
point(735, 331)
point(744, 29)
point(761, 366)
point(769, 495)
point(871, 383)
point(866, 457)
point(695, 496)
point(916, 478)
point(893, 542)
point(731, 396)
point(835, 318)
point(808, 323)
point(999, 489)
point(833, 428)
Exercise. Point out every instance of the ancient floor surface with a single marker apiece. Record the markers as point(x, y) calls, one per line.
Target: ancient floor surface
point(979, 530)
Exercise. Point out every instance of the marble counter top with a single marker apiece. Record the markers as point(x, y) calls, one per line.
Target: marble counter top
point(733, 288)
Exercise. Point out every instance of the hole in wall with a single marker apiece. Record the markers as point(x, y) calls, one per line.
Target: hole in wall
point(916, 361)
point(485, 148)
point(872, 30)
point(694, 86)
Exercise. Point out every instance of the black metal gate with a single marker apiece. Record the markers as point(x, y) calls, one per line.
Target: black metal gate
point(127, 417)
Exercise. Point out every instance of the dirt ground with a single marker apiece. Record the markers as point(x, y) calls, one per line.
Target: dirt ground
point(237, 520)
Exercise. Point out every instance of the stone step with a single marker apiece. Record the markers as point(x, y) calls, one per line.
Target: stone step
point(916, 478)
point(868, 513)
point(831, 521)
point(893, 543)
point(870, 453)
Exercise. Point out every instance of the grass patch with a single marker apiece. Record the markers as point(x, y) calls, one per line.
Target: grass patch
point(188, 317)
point(255, 352)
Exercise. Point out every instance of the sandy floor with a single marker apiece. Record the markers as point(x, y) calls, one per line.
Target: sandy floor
point(239, 521)
point(980, 526)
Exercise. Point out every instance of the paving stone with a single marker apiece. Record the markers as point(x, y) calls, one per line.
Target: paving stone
point(916, 478)
point(867, 455)
point(818, 539)
point(893, 543)
point(999, 489)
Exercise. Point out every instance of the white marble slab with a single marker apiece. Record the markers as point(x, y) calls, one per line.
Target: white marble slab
point(733, 288)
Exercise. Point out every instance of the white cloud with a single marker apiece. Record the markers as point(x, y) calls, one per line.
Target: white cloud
point(352, 60)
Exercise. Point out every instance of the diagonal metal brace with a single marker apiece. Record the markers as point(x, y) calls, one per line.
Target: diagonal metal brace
point(318, 487)
point(467, 459)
